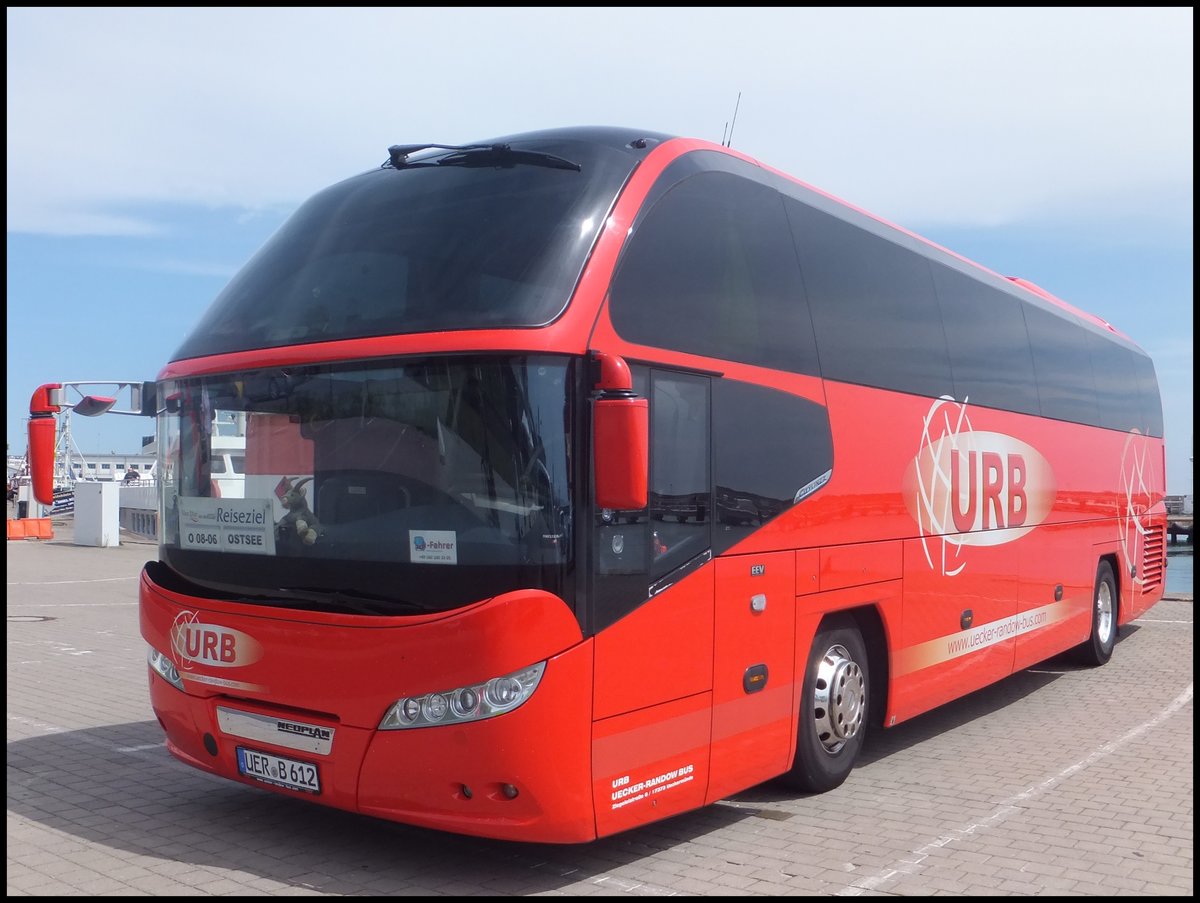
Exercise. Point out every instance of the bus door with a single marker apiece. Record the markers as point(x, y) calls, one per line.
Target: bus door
point(652, 614)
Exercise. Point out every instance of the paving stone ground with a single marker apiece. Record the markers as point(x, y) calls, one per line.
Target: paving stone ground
point(1059, 780)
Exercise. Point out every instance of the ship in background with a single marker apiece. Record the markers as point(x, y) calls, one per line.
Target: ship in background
point(131, 469)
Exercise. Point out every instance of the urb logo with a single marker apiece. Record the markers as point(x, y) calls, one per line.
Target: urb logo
point(209, 644)
point(972, 488)
point(1138, 475)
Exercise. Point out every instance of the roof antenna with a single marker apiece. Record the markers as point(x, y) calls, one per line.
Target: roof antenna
point(729, 140)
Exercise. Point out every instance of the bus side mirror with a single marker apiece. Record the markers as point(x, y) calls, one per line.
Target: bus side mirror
point(46, 402)
point(622, 452)
point(621, 437)
point(94, 405)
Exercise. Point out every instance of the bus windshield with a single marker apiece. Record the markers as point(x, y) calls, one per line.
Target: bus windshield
point(432, 245)
point(419, 485)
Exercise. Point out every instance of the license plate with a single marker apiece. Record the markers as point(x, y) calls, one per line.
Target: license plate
point(272, 769)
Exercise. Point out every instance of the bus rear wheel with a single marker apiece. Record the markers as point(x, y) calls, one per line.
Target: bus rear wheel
point(1098, 648)
point(833, 708)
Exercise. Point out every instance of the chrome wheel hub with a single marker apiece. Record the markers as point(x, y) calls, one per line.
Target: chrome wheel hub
point(839, 699)
point(1104, 613)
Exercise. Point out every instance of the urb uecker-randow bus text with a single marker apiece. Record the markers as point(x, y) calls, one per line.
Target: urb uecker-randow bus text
point(593, 475)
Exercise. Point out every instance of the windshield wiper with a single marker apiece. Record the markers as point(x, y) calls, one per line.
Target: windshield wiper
point(475, 155)
point(343, 600)
point(398, 153)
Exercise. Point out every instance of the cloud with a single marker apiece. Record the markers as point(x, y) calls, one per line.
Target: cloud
point(48, 218)
point(963, 115)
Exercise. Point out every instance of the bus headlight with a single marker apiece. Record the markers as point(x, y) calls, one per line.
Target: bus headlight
point(164, 668)
point(470, 703)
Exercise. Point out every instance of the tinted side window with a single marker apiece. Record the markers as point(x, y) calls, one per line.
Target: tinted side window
point(1152, 418)
point(1117, 393)
point(987, 342)
point(770, 451)
point(711, 271)
point(680, 494)
point(873, 306)
point(1063, 366)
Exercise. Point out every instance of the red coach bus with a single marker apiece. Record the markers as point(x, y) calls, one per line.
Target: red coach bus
point(592, 476)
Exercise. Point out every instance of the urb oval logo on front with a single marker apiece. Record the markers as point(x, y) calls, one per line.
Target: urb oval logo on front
point(194, 641)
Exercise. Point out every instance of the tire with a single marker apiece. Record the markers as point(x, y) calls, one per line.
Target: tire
point(833, 708)
point(1098, 648)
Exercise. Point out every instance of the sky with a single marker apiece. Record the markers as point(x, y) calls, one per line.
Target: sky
point(151, 152)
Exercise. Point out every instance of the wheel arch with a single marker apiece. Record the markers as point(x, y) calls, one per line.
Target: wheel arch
point(869, 622)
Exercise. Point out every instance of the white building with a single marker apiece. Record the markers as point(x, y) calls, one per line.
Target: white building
point(111, 466)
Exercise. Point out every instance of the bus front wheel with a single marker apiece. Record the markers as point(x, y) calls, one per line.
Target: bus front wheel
point(1098, 648)
point(833, 708)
